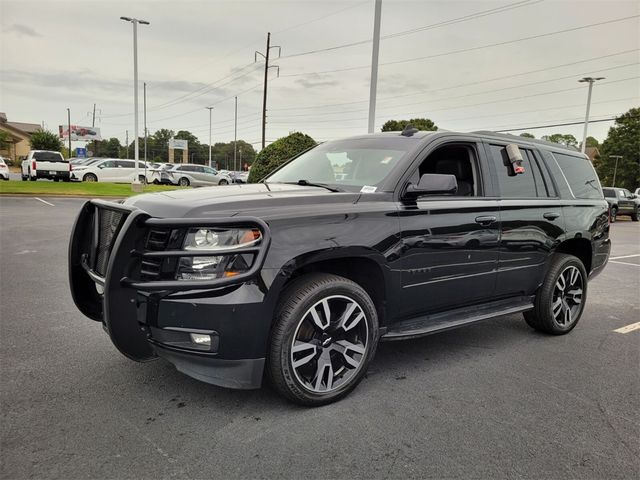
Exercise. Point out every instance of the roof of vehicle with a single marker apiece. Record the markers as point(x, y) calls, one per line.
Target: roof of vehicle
point(420, 135)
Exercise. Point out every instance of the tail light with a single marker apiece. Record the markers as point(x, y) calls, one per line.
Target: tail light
point(33, 164)
point(70, 167)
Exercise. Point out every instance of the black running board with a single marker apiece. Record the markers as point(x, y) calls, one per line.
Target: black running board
point(438, 322)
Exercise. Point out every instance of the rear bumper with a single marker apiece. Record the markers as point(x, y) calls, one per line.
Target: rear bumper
point(48, 174)
point(149, 318)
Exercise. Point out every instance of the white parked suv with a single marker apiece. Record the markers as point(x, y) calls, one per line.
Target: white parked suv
point(45, 164)
point(114, 170)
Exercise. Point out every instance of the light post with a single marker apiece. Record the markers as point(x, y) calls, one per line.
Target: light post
point(591, 81)
point(615, 169)
point(209, 108)
point(135, 186)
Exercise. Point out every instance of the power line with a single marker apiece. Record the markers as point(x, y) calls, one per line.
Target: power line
point(452, 21)
point(503, 77)
point(319, 18)
point(556, 125)
point(469, 49)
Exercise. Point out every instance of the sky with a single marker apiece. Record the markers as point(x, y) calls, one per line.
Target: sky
point(467, 65)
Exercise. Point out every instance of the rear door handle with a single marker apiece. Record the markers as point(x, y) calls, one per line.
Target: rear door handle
point(551, 215)
point(485, 220)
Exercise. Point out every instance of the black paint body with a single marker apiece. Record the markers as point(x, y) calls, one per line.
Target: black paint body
point(418, 259)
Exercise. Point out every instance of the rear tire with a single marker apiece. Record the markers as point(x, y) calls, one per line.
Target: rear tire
point(317, 358)
point(142, 179)
point(56, 179)
point(560, 301)
point(24, 177)
point(184, 182)
point(634, 215)
point(90, 177)
point(31, 179)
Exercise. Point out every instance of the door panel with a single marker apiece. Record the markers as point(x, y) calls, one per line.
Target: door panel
point(450, 253)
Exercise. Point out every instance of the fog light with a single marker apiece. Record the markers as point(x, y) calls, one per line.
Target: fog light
point(200, 339)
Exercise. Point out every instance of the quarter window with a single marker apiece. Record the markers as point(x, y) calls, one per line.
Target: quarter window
point(580, 174)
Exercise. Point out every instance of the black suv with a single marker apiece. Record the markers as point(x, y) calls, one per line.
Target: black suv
point(622, 202)
point(377, 237)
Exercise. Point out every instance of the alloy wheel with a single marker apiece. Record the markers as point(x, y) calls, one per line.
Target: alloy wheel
point(567, 296)
point(329, 344)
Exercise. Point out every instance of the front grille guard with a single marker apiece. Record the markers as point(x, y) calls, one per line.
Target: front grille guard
point(257, 252)
point(142, 222)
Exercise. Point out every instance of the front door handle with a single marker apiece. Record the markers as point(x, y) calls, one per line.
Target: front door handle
point(485, 220)
point(551, 215)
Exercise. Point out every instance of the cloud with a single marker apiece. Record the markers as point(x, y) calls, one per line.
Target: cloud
point(22, 30)
point(316, 82)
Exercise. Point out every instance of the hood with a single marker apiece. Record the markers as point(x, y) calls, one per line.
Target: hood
point(245, 199)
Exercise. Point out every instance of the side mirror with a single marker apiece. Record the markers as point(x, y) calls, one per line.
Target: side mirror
point(433, 184)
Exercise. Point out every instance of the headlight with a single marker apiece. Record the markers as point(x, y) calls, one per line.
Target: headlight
point(216, 266)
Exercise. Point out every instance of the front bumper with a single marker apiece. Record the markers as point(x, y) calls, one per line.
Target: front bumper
point(146, 318)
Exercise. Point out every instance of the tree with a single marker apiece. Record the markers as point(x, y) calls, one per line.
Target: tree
point(419, 123)
point(5, 140)
point(222, 154)
point(274, 155)
point(45, 140)
point(107, 148)
point(568, 140)
point(592, 142)
point(623, 139)
point(527, 135)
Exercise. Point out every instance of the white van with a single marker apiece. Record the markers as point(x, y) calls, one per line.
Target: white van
point(115, 170)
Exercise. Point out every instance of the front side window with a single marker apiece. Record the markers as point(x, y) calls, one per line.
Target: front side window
point(209, 170)
point(580, 174)
point(608, 193)
point(522, 185)
point(125, 164)
point(347, 164)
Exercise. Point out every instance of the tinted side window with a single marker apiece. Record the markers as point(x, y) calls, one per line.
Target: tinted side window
point(518, 186)
point(125, 164)
point(198, 169)
point(580, 174)
point(209, 170)
point(609, 193)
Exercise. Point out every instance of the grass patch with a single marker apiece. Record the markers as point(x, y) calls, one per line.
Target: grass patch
point(83, 189)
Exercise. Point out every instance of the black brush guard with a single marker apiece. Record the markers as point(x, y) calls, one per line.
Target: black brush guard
point(106, 251)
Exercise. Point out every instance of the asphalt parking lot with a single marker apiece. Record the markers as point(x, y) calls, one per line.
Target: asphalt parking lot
point(494, 400)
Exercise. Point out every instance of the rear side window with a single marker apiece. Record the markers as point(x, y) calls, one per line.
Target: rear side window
point(609, 193)
point(125, 164)
point(518, 186)
point(48, 156)
point(580, 174)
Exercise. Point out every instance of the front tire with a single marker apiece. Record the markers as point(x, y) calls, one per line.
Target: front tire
point(560, 301)
point(223, 182)
point(90, 177)
point(184, 182)
point(635, 214)
point(324, 336)
point(614, 214)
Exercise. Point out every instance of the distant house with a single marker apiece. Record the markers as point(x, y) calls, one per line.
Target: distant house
point(20, 136)
point(592, 153)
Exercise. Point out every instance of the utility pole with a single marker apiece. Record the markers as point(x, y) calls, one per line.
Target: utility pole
point(135, 185)
point(240, 169)
point(615, 169)
point(69, 131)
point(93, 124)
point(266, 77)
point(235, 134)
point(210, 108)
point(373, 87)
point(144, 110)
point(591, 81)
point(127, 142)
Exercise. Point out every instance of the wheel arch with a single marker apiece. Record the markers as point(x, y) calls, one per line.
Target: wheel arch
point(580, 248)
point(363, 266)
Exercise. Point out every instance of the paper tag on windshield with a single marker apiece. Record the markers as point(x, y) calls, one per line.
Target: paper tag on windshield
point(368, 189)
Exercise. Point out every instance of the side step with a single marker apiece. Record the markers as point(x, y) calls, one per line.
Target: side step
point(438, 322)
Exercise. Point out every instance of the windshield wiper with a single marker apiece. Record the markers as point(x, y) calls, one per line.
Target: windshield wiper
point(307, 183)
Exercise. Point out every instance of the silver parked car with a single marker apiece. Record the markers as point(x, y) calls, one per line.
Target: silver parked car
point(186, 174)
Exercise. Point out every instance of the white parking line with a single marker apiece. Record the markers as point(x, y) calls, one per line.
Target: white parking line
point(628, 328)
point(625, 256)
point(43, 201)
point(625, 263)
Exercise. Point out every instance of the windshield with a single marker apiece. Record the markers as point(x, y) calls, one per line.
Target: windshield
point(346, 164)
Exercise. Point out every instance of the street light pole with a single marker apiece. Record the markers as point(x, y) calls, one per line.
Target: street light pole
point(210, 108)
point(69, 131)
point(235, 136)
point(144, 110)
point(136, 181)
point(374, 66)
point(615, 169)
point(591, 81)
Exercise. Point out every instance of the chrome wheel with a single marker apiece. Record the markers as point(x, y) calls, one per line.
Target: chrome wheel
point(567, 296)
point(329, 344)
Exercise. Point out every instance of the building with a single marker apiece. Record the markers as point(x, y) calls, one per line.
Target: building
point(19, 138)
point(593, 153)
